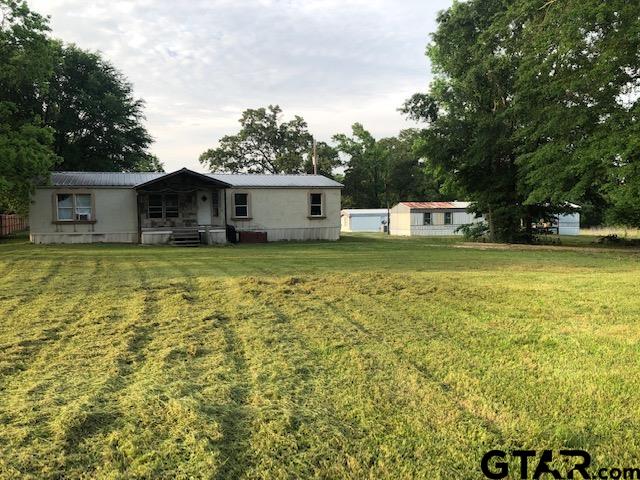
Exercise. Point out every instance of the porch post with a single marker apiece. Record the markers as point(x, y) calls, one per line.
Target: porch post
point(224, 194)
point(139, 205)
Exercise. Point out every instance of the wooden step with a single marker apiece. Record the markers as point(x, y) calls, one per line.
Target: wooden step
point(185, 237)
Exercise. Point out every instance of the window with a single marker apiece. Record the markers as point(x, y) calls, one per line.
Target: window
point(74, 207)
point(448, 218)
point(163, 206)
point(171, 205)
point(426, 220)
point(315, 205)
point(155, 206)
point(65, 206)
point(215, 203)
point(241, 205)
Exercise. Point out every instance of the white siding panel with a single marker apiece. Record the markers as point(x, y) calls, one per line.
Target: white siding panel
point(569, 224)
point(299, 234)
point(83, 237)
point(434, 230)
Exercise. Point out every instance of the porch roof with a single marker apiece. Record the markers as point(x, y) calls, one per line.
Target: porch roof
point(184, 172)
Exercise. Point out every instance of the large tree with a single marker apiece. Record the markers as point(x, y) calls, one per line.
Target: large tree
point(97, 121)
point(27, 61)
point(367, 169)
point(578, 98)
point(383, 172)
point(409, 174)
point(535, 104)
point(264, 144)
point(468, 111)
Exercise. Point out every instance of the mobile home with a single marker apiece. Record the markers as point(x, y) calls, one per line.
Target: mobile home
point(430, 218)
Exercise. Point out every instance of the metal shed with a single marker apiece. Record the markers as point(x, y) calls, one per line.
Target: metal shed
point(363, 219)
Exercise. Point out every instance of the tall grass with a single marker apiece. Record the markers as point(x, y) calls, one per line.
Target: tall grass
point(624, 232)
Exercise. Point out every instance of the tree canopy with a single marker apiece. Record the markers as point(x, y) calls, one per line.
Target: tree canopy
point(27, 65)
point(533, 105)
point(379, 173)
point(97, 121)
point(60, 107)
point(264, 144)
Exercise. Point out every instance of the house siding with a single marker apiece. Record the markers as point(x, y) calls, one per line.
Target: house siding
point(283, 213)
point(115, 214)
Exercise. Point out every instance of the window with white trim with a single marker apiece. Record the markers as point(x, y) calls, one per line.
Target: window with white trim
point(315, 204)
point(426, 219)
point(241, 205)
point(74, 207)
point(448, 218)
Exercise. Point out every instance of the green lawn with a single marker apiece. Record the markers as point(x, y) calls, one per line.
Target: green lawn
point(366, 358)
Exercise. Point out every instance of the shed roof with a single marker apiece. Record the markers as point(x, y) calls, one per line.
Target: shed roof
point(436, 205)
point(133, 179)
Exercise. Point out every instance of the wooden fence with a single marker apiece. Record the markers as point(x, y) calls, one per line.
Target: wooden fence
point(10, 223)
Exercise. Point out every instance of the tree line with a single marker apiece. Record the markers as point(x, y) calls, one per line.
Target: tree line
point(61, 107)
point(534, 105)
point(376, 173)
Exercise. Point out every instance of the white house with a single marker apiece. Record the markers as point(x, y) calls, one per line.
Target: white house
point(183, 207)
point(429, 218)
point(363, 219)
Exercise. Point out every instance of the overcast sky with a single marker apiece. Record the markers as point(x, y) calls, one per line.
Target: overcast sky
point(198, 64)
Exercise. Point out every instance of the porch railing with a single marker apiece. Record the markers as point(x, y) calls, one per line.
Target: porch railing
point(10, 223)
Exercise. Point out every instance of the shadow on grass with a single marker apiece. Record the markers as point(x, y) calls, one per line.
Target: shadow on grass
point(234, 417)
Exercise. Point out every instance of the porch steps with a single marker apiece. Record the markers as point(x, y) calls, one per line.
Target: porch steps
point(185, 237)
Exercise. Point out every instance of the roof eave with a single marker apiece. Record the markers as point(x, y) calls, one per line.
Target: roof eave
point(182, 171)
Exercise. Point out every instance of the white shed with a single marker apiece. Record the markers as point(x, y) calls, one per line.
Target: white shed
point(363, 219)
point(430, 218)
point(569, 223)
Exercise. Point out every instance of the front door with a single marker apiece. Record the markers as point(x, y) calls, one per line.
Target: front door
point(204, 207)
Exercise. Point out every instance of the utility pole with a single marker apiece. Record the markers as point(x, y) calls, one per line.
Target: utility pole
point(315, 157)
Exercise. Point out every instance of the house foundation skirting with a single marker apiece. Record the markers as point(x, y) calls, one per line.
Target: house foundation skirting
point(84, 237)
point(296, 234)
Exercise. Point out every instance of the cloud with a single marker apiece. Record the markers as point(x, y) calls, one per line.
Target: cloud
point(199, 63)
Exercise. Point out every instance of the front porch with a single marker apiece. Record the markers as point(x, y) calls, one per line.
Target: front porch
point(184, 208)
point(199, 235)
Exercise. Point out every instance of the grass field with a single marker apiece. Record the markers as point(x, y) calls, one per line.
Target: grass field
point(365, 358)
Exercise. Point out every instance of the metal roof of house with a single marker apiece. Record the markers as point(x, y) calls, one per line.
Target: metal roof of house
point(132, 179)
point(436, 205)
point(365, 211)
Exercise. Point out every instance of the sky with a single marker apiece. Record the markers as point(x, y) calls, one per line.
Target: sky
point(199, 63)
